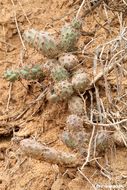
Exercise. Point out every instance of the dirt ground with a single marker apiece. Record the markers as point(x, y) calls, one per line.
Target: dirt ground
point(44, 121)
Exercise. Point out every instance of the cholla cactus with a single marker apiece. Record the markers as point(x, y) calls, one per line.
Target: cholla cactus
point(32, 72)
point(52, 97)
point(80, 82)
point(11, 75)
point(68, 60)
point(69, 38)
point(76, 106)
point(41, 41)
point(59, 73)
point(63, 89)
point(74, 123)
point(69, 140)
point(76, 23)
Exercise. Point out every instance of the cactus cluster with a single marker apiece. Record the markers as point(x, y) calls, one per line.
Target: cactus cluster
point(61, 71)
point(63, 87)
point(31, 72)
point(48, 45)
point(60, 68)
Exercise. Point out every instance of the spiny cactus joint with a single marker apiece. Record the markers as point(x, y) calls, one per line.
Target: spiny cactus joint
point(76, 106)
point(80, 82)
point(59, 73)
point(63, 89)
point(68, 60)
point(11, 75)
point(41, 41)
point(31, 72)
point(74, 123)
point(76, 23)
point(69, 38)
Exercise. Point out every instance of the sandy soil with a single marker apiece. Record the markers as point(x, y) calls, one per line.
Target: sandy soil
point(43, 121)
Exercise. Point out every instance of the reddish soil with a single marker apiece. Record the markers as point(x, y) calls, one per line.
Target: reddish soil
point(43, 121)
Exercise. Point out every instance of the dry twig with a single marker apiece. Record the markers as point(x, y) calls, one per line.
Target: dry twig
point(18, 26)
point(9, 95)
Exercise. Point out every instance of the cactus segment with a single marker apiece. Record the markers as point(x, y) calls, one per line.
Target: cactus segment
point(76, 106)
point(11, 75)
point(32, 72)
point(59, 73)
point(80, 82)
point(68, 60)
point(69, 38)
point(41, 41)
point(74, 123)
point(63, 89)
point(76, 23)
point(68, 140)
